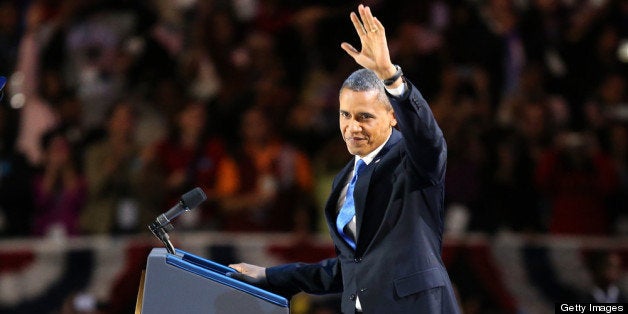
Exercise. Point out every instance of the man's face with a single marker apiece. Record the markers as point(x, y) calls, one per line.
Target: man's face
point(365, 122)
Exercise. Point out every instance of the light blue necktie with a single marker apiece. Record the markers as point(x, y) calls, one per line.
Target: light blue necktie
point(348, 208)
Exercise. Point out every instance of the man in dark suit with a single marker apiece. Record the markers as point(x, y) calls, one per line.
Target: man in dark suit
point(388, 232)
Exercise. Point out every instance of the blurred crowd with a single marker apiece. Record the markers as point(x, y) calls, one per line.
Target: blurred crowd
point(116, 108)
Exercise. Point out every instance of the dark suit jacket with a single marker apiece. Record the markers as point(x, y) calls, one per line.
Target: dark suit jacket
point(397, 265)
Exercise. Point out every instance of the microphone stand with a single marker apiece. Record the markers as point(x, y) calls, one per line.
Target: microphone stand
point(161, 232)
point(162, 224)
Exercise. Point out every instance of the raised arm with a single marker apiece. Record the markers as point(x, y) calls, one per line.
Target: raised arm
point(426, 145)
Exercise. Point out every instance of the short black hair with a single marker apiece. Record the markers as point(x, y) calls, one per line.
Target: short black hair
point(364, 80)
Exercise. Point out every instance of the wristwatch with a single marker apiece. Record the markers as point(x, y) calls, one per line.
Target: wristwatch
point(391, 80)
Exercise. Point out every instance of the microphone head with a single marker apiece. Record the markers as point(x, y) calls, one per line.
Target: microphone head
point(193, 198)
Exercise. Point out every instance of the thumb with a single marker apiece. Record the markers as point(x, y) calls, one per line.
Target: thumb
point(237, 276)
point(248, 279)
point(349, 49)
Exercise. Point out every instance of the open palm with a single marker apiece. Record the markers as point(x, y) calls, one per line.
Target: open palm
point(374, 54)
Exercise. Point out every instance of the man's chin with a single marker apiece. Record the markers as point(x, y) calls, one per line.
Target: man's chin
point(355, 150)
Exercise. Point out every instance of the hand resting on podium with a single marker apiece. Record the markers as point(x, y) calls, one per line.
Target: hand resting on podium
point(251, 274)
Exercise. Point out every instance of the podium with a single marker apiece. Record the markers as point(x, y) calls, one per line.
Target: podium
point(185, 283)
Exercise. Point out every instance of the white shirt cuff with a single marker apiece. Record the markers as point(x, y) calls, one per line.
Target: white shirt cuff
point(398, 91)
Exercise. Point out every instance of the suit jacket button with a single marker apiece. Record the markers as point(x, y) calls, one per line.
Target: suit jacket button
point(352, 297)
point(357, 259)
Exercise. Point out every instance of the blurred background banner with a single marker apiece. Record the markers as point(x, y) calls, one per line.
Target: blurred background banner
point(507, 274)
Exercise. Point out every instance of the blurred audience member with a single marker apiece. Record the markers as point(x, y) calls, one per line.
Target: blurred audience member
point(70, 111)
point(509, 198)
point(536, 124)
point(10, 33)
point(60, 190)
point(418, 48)
point(188, 158)
point(310, 122)
point(576, 178)
point(606, 113)
point(100, 52)
point(585, 51)
point(618, 147)
point(268, 181)
point(462, 109)
point(112, 170)
point(502, 22)
point(608, 104)
point(532, 86)
point(33, 87)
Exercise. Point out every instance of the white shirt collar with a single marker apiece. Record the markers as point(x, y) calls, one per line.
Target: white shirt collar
point(369, 158)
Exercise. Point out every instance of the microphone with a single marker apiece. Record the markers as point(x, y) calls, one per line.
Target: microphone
point(188, 201)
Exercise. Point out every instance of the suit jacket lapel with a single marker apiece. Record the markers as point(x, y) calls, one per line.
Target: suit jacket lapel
point(364, 181)
point(331, 207)
point(360, 191)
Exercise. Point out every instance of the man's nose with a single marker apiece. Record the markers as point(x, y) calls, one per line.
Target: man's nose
point(354, 126)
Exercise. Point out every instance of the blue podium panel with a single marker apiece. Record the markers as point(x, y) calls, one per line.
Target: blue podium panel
point(185, 283)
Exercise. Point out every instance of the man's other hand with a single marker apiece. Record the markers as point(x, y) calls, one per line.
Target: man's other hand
point(248, 273)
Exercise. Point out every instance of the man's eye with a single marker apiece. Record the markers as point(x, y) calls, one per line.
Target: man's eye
point(344, 114)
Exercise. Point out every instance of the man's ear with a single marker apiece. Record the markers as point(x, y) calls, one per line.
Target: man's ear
point(393, 120)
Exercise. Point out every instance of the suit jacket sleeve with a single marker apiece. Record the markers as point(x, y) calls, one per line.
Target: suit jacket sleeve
point(318, 278)
point(426, 147)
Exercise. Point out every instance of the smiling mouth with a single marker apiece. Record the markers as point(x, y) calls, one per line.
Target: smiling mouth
point(354, 140)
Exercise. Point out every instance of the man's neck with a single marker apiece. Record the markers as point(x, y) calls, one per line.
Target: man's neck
point(370, 156)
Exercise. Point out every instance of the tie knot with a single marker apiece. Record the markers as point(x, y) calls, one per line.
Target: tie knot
point(359, 167)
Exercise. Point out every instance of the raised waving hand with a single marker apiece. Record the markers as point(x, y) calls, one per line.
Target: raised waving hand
point(374, 54)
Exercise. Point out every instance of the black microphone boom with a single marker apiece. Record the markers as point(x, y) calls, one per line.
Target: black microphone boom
point(162, 224)
point(189, 201)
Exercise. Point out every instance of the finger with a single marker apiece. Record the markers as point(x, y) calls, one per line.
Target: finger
point(350, 49)
point(357, 24)
point(378, 24)
point(367, 18)
point(237, 267)
point(247, 279)
point(242, 277)
point(237, 276)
